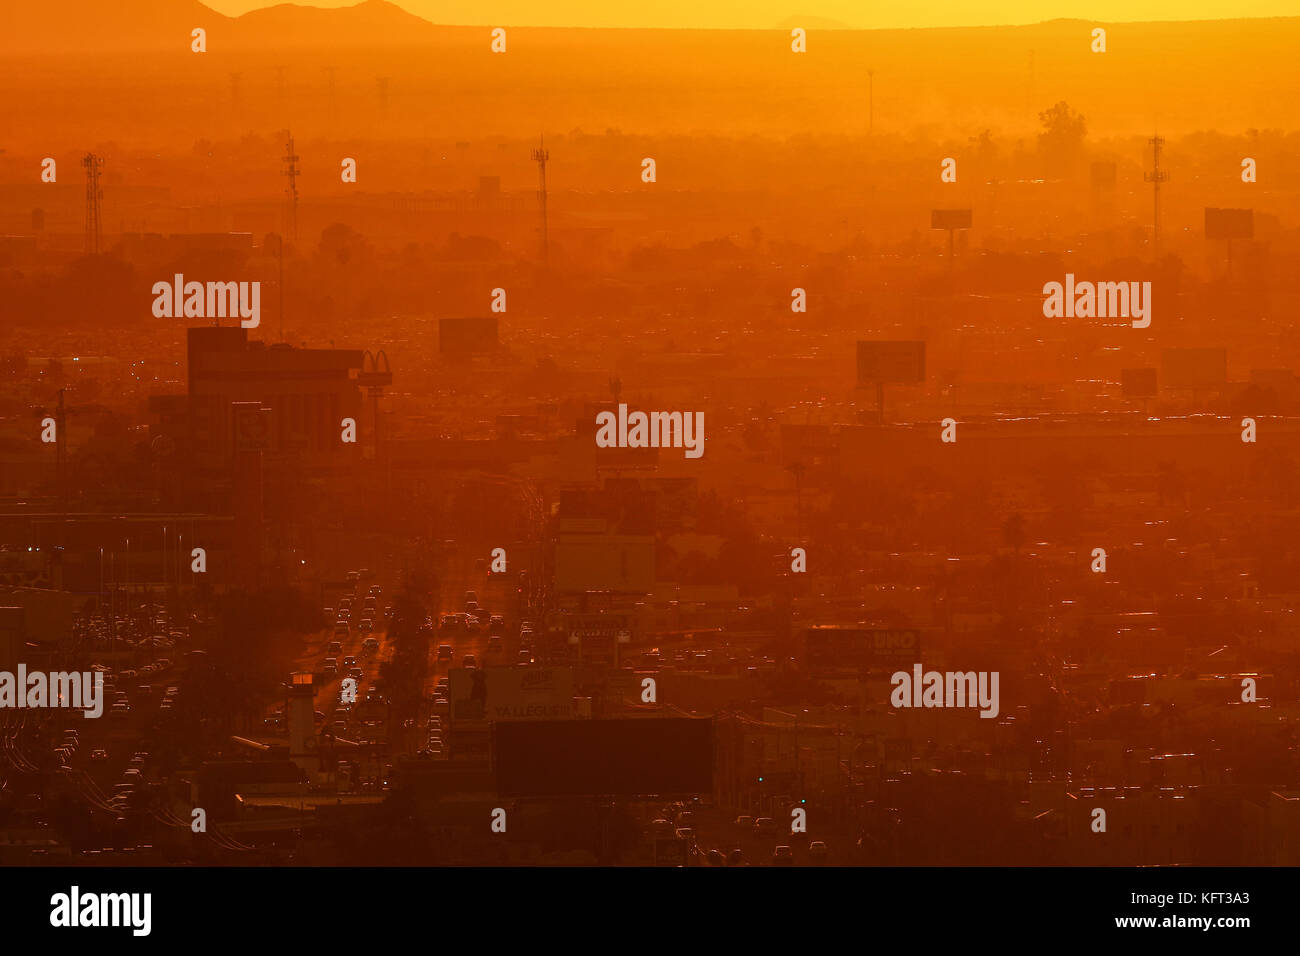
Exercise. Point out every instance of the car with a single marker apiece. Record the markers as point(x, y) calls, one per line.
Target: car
point(121, 708)
point(765, 826)
point(736, 857)
point(686, 819)
point(470, 661)
point(356, 673)
point(817, 850)
point(471, 597)
point(98, 755)
point(495, 646)
point(524, 657)
point(366, 626)
point(334, 647)
point(685, 833)
point(341, 629)
point(661, 828)
point(350, 661)
point(745, 821)
point(782, 856)
point(338, 726)
point(370, 644)
point(444, 652)
point(496, 624)
point(471, 607)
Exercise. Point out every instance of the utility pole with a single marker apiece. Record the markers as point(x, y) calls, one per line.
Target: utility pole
point(540, 156)
point(61, 452)
point(1155, 178)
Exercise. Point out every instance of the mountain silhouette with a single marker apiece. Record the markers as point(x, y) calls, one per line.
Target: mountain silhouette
point(134, 26)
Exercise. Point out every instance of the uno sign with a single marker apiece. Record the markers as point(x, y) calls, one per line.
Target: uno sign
point(834, 648)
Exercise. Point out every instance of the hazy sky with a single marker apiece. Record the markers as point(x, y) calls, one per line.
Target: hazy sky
point(765, 14)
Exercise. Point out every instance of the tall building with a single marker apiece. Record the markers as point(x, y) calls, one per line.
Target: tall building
point(307, 392)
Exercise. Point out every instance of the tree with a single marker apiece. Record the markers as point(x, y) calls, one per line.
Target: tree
point(1061, 142)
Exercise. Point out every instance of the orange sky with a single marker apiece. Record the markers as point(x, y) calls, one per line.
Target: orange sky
point(766, 14)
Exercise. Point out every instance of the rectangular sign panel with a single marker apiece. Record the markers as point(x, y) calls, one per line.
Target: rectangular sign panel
point(900, 363)
point(1229, 223)
point(481, 694)
point(852, 649)
point(467, 336)
point(604, 562)
point(1193, 368)
point(950, 218)
point(616, 757)
point(1138, 382)
point(252, 426)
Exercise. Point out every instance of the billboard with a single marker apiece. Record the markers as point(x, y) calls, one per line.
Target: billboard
point(604, 562)
point(467, 336)
point(1193, 368)
point(833, 648)
point(1104, 174)
point(950, 218)
point(1229, 223)
point(1137, 382)
point(628, 756)
point(481, 694)
point(901, 362)
point(252, 426)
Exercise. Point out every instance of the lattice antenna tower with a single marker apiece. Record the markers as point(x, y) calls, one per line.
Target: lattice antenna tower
point(94, 195)
point(1155, 178)
point(540, 156)
point(291, 191)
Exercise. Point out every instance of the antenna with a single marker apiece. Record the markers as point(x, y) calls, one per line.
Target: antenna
point(1155, 178)
point(93, 164)
point(292, 171)
point(540, 156)
point(871, 101)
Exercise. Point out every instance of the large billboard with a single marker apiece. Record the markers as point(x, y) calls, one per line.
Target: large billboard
point(481, 694)
point(1138, 382)
point(637, 756)
point(950, 218)
point(604, 562)
point(838, 649)
point(1229, 223)
point(901, 362)
point(467, 336)
point(1193, 368)
point(252, 426)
